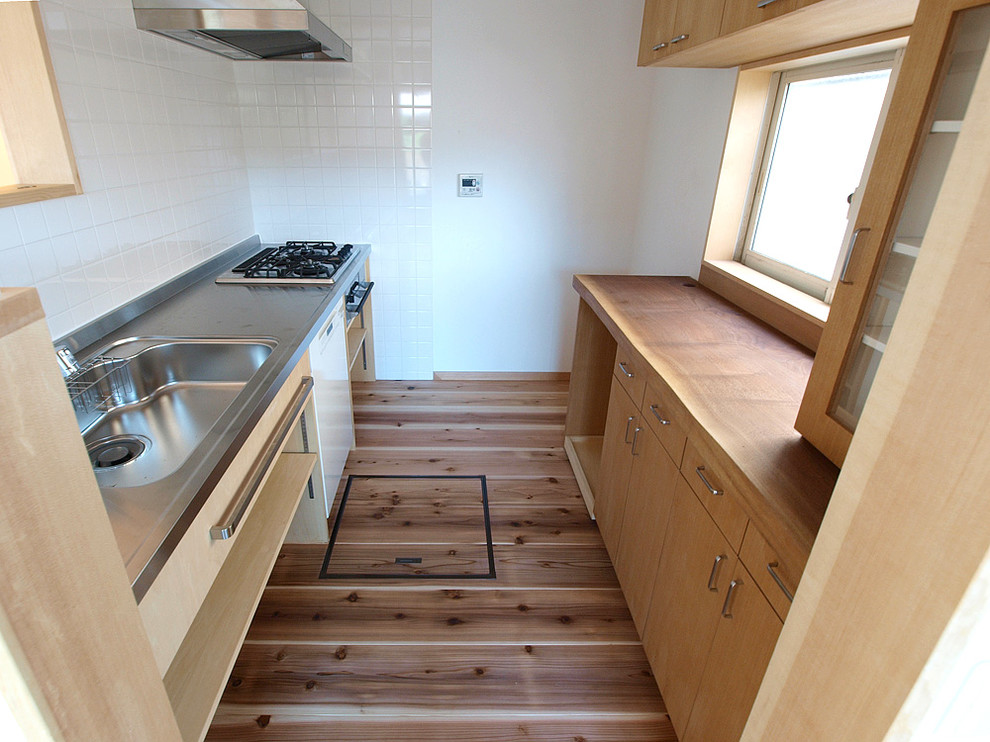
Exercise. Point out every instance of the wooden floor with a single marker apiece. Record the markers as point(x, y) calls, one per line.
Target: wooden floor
point(546, 651)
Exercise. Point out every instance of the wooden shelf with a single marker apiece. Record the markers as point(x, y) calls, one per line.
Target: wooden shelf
point(585, 454)
point(910, 246)
point(946, 127)
point(872, 342)
point(196, 677)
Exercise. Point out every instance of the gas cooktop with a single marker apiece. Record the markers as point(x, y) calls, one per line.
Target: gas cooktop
point(292, 264)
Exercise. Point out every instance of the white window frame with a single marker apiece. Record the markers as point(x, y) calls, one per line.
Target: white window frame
point(805, 282)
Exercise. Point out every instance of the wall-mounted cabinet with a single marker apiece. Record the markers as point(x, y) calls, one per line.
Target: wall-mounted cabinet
point(36, 160)
point(728, 33)
point(926, 114)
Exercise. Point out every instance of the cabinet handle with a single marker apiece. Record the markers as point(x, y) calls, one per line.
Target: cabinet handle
point(257, 473)
point(713, 577)
point(622, 367)
point(852, 247)
point(679, 39)
point(700, 471)
point(628, 423)
point(727, 605)
point(661, 45)
point(635, 438)
point(780, 583)
point(765, 3)
point(657, 415)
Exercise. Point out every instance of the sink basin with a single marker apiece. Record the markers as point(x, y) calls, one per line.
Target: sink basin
point(166, 396)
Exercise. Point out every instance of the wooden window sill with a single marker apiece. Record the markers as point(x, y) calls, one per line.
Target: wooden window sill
point(799, 316)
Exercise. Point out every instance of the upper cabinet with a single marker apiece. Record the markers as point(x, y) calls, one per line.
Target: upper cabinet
point(670, 26)
point(927, 111)
point(727, 33)
point(36, 160)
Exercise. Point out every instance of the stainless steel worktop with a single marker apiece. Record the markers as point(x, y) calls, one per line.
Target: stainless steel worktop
point(192, 305)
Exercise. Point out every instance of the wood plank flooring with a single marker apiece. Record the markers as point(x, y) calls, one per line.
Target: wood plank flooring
point(546, 651)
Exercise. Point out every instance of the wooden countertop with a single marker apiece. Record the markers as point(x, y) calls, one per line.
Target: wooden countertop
point(742, 383)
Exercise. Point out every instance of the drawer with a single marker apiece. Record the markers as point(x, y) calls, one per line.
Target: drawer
point(710, 485)
point(665, 416)
point(777, 577)
point(630, 369)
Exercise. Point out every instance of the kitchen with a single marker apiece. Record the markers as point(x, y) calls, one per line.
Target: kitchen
point(183, 154)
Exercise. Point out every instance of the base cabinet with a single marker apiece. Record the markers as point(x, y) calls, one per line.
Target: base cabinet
point(644, 523)
point(691, 586)
point(621, 429)
point(745, 637)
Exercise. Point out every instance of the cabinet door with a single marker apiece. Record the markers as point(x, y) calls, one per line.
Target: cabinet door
point(740, 14)
point(695, 568)
point(621, 429)
point(926, 112)
point(744, 641)
point(697, 21)
point(658, 30)
point(644, 523)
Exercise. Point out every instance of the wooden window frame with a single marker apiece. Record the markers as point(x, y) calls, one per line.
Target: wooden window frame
point(792, 312)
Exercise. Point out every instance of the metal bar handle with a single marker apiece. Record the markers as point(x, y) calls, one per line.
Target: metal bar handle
point(636, 433)
point(765, 3)
point(776, 578)
point(256, 475)
point(727, 605)
point(661, 45)
point(700, 471)
point(629, 374)
point(679, 39)
point(852, 247)
point(656, 413)
point(713, 577)
point(628, 423)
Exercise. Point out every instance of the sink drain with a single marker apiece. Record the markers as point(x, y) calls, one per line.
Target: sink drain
point(109, 453)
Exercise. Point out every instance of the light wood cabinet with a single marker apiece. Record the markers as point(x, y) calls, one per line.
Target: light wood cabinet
point(712, 391)
point(622, 429)
point(927, 110)
point(740, 14)
point(644, 525)
point(695, 571)
point(729, 33)
point(745, 637)
point(670, 26)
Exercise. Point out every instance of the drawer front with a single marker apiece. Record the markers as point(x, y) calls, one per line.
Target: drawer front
point(777, 577)
point(710, 486)
point(630, 370)
point(663, 413)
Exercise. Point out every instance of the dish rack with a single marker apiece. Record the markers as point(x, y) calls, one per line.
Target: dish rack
point(100, 384)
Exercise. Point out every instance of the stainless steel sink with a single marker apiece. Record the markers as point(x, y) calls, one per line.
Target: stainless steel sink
point(160, 399)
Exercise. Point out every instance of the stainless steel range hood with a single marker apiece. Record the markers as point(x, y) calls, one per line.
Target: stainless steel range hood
point(244, 29)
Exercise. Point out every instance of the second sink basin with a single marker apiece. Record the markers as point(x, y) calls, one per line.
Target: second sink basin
point(164, 402)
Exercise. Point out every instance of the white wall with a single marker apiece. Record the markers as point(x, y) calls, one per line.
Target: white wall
point(156, 132)
point(546, 100)
point(342, 152)
point(689, 120)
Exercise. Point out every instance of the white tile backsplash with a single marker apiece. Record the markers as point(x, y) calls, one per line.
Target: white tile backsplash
point(155, 127)
point(342, 152)
point(182, 154)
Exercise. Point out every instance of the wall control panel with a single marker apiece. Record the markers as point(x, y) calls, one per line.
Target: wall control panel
point(469, 185)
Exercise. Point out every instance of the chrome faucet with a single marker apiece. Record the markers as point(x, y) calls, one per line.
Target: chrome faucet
point(66, 361)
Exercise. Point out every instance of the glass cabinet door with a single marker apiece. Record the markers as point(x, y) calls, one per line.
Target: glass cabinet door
point(971, 37)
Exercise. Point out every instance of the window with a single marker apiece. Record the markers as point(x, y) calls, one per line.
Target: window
point(819, 129)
